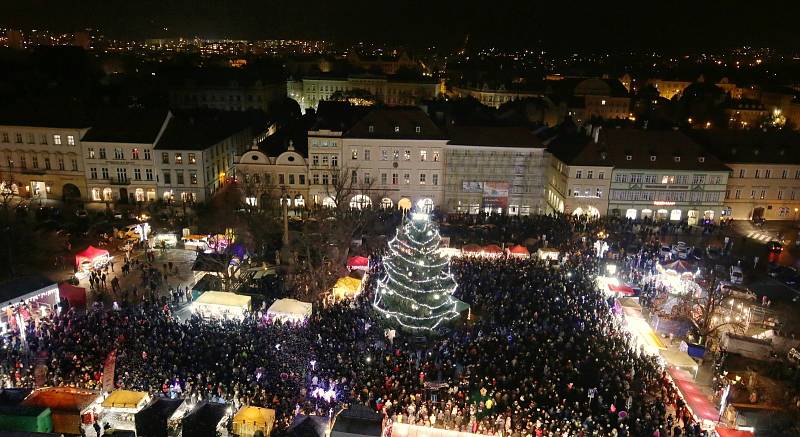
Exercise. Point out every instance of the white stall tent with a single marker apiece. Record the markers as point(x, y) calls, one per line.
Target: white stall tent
point(219, 304)
point(290, 310)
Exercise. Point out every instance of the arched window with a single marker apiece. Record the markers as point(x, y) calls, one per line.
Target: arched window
point(360, 201)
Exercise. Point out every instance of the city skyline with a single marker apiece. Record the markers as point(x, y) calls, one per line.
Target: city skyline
point(508, 24)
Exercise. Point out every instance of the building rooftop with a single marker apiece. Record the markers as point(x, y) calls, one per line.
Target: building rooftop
point(15, 288)
point(497, 136)
point(200, 130)
point(128, 126)
point(672, 149)
point(337, 116)
point(635, 149)
point(46, 115)
point(401, 123)
point(751, 146)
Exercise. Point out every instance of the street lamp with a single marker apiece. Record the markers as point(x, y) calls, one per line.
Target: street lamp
point(795, 213)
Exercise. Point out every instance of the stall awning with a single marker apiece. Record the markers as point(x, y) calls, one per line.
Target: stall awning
point(519, 250)
point(250, 419)
point(730, 432)
point(61, 398)
point(224, 299)
point(622, 289)
point(471, 248)
point(358, 262)
point(290, 309)
point(125, 399)
point(89, 255)
point(677, 358)
point(76, 296)
point(346, 287)
point(492, 249)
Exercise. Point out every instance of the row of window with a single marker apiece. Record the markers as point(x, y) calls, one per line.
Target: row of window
point(589, 174)
point(299, 179)
point(23, 162)
point(760, 193)
point(136, 154)
point(766, 173)
point(666, 196)
point(30, 138)
point(122, 175)
point(638, 178)
point(385, 178)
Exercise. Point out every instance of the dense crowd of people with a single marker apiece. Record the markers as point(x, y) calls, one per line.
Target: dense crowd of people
point(541, 355)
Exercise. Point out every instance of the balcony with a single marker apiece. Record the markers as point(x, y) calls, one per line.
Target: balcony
point(118, 181)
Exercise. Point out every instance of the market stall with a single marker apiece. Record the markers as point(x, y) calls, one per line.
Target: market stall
point(358, 263)
point(121, 406)
point(25, 419)
point(69, 406)
point(492, 250)
point(545, 254)
point(91, 257)
point(26, 299)
point(204, 419)
point(152, 420)
point(289, 310)
point(76, 296)
point(471, 249)
point(249, 420)
point(308, 426)
point(347, 287)
point(219, 304)
point(357, 421)
point(519, 251)
point(165, 240)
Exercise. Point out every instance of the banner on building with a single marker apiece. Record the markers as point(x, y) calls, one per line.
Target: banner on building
point(108, 371)
point(495, 194)
point(472, 186)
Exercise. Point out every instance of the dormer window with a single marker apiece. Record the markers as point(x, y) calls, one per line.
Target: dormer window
point(677, 159)
point(629, 157)
point(701, 159)
point(371, 128)
point(652, 157)
point(396, 128)
point(418, 129)
point(603, 155)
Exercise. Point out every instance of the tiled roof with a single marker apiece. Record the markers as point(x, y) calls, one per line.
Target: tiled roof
point(751, 146)
point(499, 136)
point(127, 126)
point(408, 123)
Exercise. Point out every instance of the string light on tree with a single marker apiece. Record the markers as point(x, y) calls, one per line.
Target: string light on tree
point(416, 291)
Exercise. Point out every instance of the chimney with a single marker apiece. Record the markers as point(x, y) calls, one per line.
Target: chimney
point(596, 134)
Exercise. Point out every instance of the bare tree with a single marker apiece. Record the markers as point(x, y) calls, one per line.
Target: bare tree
point(713, 312)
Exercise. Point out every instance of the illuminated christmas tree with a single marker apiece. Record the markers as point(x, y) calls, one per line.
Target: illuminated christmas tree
point(417, 290)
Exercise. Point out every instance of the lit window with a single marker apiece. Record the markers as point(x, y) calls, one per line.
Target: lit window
point(57, 139)
point(407, 155)
point(192, 158)
point(423, 155)
point(71, 140)
point(354, 154)
point(435, 156)
point(178, 158)
point(396, 128)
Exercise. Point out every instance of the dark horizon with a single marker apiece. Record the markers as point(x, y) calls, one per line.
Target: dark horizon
point(419, 24)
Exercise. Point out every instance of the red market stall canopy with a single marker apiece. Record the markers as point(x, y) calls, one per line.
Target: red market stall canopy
point(622, 289)
point(730, 432)
point(493, 249)
point(679, 266)
point(471, 248)
point(358, 263)
point(519, 250)
point(89, 255)
point(76, 296)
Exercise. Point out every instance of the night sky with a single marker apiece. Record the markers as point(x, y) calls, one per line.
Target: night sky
point(556, 23)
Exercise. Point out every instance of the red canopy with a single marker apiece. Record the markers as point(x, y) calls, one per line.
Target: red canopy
point(730, 432)
point(519, 250)
point(493, 248)
point(358, 262)
point(89, 255)
point(622, 288)
point(471, 248)
point(76, 296)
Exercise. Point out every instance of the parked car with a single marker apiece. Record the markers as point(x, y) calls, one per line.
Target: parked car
point(737, 276)
point(737, 291)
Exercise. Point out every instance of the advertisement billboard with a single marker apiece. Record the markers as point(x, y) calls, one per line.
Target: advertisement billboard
point(495, 194)
point(472, 187)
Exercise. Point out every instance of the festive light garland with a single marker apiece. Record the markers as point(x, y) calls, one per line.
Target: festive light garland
point(429, 297)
